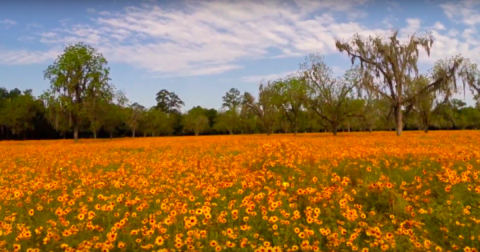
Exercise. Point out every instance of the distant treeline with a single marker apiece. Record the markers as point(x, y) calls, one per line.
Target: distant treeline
point(381, 91)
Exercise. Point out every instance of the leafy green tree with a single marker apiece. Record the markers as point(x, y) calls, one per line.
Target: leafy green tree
point(19, 111)
point(3, 99)
point(157, 122)
point(246, 119)
point(96, 107)
point(57, 113)
point(196, 121)
point(135, 113)
point(168, 102)
point(212, 115)
point(287, 96)
point(470, 117)
point(369, 109)
point(75, 76)
point(232, 99)
point(424, 103)
point(264, 108)
point(230, 119)
point(227, 120)
point(115, 115)
point(330, 98)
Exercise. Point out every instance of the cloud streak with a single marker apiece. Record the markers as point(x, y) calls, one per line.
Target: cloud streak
point(8, 22)
point(268, 77)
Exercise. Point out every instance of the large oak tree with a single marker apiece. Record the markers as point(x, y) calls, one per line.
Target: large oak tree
point(393, 64)
point(76, 76)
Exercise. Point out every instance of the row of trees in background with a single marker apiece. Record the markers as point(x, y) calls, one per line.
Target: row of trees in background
point(383, 90)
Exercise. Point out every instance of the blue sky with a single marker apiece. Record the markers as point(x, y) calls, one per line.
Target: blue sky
point(200, 49)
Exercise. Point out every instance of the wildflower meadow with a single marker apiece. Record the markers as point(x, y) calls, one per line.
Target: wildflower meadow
point(310, 192)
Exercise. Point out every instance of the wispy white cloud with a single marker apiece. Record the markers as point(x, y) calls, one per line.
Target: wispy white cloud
point(268, 77)
point(24, 57)
point(465, 11)
point(8, 22)
point(211, 37)
point(438, 26)
point(31, 26)
point(337, 71)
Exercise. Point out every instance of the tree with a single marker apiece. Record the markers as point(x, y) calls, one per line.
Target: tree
point(3, 99)
point(264, 108)
point(157, 122)
point(232, 99)
point(168, 102)
point(196, 121)
point(75, 76)
point(288, 95)
point(396, 64)
point(212, 115)
point(115, 114)
point(229, 119)
point(134, 116)
point(96, 106)
point(246, 119)
point(329, 97)
point(424, 103)
point(370, 111)
point(57, 113)
point(19, 111)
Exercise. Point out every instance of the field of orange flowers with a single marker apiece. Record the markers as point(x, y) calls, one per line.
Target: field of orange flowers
point(312, 192)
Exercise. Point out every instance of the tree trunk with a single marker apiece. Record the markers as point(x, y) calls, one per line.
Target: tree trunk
point(295, 126)
point(230, 132)
point(94, 135)
point(334, 128)
point(425, 123)
point(133, 133)
point(111, 135)
point(75, 131)
point(398, 120)
point(197, 133)
point(144, 134)
point(370, 129)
